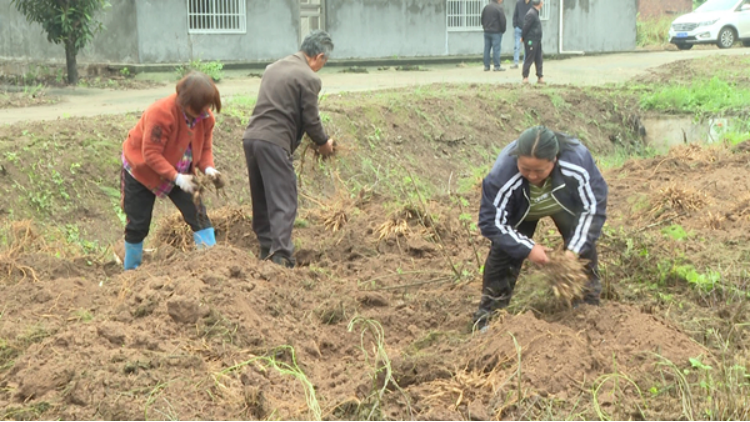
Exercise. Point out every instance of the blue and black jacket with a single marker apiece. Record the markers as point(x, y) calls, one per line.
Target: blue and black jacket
point(577, 185)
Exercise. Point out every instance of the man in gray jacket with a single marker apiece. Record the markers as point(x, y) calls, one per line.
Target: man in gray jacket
point(286, 109)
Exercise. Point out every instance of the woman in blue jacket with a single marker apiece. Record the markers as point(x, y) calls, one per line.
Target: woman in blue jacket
point(541, 174)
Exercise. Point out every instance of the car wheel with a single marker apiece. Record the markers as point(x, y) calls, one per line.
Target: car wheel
point(727, 37)
point(684, 46)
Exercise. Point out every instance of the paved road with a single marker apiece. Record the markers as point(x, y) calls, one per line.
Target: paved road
point(584, 70)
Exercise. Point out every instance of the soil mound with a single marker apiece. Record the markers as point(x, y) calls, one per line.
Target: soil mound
point(577, 352)
point(692, 192)
point(584, 345)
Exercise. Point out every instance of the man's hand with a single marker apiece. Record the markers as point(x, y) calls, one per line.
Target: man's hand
point(327, 148)
point(186, 182)
point(571, 255)
point(538, 255)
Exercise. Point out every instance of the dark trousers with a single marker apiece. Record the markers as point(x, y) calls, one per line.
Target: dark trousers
point(501, 271)
point(532, 54)
point(138, 205)
point(273, 188)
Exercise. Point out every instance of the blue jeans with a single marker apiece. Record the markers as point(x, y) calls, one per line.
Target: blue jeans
point(517, 46)
point(492, 42)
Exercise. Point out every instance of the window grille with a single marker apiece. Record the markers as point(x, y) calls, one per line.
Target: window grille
point(216, 17)
point(544, 13)
point(465, 14)
point(311, 17)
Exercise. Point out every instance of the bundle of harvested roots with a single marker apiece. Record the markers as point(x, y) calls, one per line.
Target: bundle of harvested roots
point(567, 277)
point(336, 221)
point(204, 182)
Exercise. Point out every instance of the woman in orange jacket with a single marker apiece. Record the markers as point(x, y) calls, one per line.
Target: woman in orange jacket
point(172, 139)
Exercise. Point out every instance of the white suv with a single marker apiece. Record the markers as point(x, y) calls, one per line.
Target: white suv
point(716, 21)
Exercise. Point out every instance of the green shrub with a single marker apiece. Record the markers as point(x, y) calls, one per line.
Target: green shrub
point(212, 69)
point(653, 31)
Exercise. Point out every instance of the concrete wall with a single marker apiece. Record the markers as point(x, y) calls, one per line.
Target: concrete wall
point(599, 25)
point(387, 28)
point(412, 28)
point(658, 8)
point(272, 32)
point(21, 40)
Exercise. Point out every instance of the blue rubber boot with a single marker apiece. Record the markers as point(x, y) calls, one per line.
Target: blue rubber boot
point(133, 255)
point(204, 238)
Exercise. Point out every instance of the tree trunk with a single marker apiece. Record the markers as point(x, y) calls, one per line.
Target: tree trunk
point(70, 61)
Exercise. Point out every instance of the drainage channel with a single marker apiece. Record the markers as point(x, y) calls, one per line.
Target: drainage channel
point(668, 131)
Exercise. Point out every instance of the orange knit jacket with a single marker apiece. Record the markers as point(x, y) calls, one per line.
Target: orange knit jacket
point(159, 140)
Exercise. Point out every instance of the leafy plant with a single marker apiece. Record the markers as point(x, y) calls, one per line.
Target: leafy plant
point(73, 236)
point(676, 232)
point(705, 282)
point(11, 156)
point(212, 69)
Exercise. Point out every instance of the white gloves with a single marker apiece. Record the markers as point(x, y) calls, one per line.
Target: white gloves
point(215, 177)
point(186, 182)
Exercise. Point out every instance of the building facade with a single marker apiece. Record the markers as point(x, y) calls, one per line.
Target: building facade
point(177, 31)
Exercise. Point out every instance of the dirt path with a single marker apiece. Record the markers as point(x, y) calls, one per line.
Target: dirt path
point(585, 70)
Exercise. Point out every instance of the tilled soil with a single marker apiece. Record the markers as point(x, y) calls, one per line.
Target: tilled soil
point(208, 334)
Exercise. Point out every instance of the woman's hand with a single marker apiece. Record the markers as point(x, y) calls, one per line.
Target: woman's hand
point(215, 177)
point(186, 182)
point(538, 255)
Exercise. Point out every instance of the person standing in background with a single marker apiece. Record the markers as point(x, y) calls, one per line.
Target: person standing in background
point(494, 24)
point(531, 37)
point(522, 8)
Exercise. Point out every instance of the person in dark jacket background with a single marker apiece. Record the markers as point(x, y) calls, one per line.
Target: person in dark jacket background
point(494, 24)
point(541, 174)
point(286, 109)
point(531, 37)
point(519, 13)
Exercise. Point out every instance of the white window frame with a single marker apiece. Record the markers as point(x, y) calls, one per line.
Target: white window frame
point(545, 12)
point(226, 17)
point(464, 15)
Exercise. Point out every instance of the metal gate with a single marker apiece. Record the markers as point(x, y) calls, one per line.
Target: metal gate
point(311, 17)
